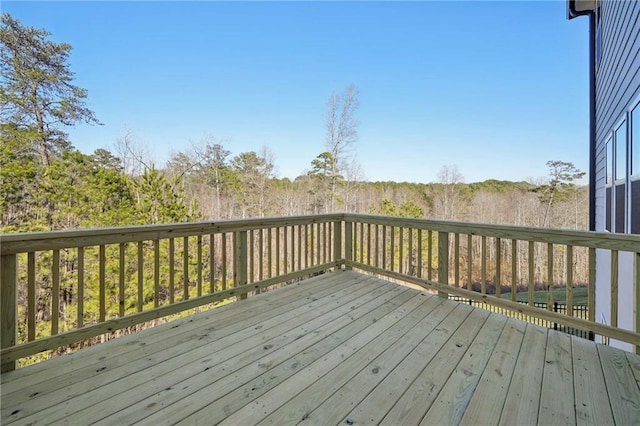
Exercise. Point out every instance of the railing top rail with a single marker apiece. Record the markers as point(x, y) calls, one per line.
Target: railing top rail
point(35, 241)
point(50, 240)
point(605, 240)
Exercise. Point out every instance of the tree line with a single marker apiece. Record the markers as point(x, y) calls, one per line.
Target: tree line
point(47, 184)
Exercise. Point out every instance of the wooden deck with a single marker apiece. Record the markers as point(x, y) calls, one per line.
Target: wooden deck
point(341, 348)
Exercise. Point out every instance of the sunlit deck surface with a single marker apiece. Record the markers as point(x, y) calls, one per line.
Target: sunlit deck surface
point(340, 348)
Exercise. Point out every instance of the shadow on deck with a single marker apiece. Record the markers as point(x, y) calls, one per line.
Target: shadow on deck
point(341, 348)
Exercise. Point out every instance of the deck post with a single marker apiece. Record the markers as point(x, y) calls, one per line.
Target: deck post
point(240, 260)
point(443, 261)
point(8, 306)
point(348, 243)
point(337, 241)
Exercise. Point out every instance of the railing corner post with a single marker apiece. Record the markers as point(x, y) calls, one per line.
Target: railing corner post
point(240, 262)
point(443, 261)
point(8, 306)
point(337, 241)
point(348, 244)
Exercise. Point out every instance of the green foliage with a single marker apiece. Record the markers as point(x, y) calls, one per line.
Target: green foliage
point(561, 185)
point(324, 176)
point(18, 175)
point(160, 200)
point(406, 209)
point(253, 173)
point(37, 94)
point(562, 177)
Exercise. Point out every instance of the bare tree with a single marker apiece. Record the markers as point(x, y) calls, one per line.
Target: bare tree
point(341, 134)
point(134, 156)
point(448, 193)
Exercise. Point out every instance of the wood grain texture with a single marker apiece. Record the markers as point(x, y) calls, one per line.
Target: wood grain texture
point(523, 396)
point(341, 347)
point(487, 402)
point(592, 400)
point(622, 387)
point(557, 380)
point(9, 306)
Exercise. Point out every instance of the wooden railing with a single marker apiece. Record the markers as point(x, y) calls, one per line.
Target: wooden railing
point(481, 261)
point(61, 288)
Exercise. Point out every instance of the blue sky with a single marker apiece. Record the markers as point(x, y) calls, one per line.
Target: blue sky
point(496, 88)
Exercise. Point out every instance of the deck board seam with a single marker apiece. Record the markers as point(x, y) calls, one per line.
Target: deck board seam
point(285, 312)
point(399, 297)
point(210, 314)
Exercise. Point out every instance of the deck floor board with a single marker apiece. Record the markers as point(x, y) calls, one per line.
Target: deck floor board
point(340, 348)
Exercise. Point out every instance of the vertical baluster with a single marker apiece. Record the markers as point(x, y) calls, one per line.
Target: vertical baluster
point(55, 288)
point(285, 248)
point(224, 260)
point(121, 279)
point(328, 241)
point(311, 244)
point(80, 318)
point(531, 260)
point(251, 277)
point(200, 266)
point(322, 240)
point(261, 255)
point(498, 267)
point(419, 253)
point(318, 258)
point(550, 276)
point(430, 255)
point(456, 256)
point(483, 265)
point(31, 296)
point(156, 273)
point(569, 297)
point(269, 252)
point(384, 246)
point(514, 270)
point(140, 276)
point(185, 268)
point(308, 245)
point(299, 229)
point(443, 261)
point(469, 262)
point(278, 251)
point(212, 263)
point(171, 270)
point(614, 288)
point(393, 248)
point(360, 230)
point(377, 245)
point(293, 246)
point(401, 244)
point(410, 265)
point(102, 283)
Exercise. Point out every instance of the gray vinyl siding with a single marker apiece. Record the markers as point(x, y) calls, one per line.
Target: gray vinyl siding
point(617, 81)
point(617, 87)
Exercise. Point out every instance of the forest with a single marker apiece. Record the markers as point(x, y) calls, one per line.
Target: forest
point(47, 184)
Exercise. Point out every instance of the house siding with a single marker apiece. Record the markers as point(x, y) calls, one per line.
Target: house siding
point(617, 88)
